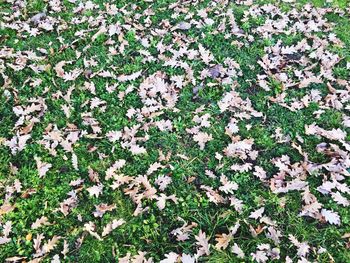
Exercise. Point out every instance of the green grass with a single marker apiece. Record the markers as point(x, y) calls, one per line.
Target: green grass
point(150, 231)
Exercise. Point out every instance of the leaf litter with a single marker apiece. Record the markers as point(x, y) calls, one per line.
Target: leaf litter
point(73, 100)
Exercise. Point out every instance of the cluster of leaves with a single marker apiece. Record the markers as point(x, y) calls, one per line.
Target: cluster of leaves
point(174, 131)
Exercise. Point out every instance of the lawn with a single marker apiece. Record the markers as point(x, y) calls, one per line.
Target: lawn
point(174, 131)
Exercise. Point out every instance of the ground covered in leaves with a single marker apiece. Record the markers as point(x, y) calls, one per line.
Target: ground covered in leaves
point(174, 131)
